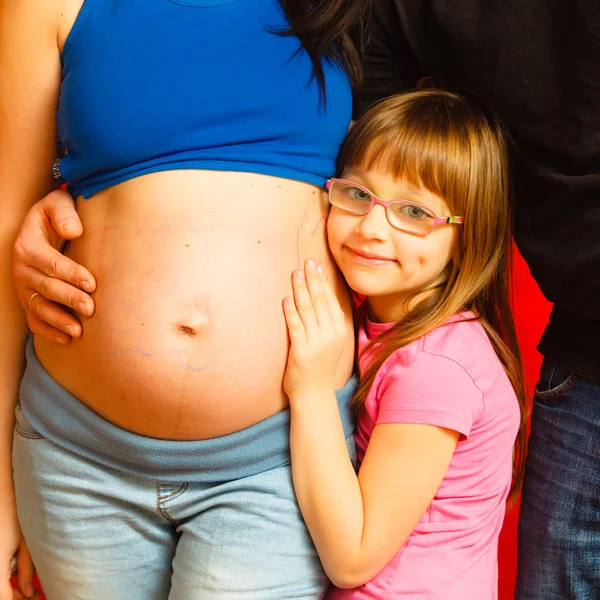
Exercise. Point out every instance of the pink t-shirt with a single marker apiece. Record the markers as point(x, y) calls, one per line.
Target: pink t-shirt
point(450, 378)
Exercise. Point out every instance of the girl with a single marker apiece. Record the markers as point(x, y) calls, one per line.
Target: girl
point(419, 226)
point(150, 453)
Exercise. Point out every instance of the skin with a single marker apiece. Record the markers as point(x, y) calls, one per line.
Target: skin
point(46, 227)
point(155, 350)
point(157, 356)
point(386, 264)
point(358, 523)
point(27, 109)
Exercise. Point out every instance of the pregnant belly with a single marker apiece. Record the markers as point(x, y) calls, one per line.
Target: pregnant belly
point(188, 340)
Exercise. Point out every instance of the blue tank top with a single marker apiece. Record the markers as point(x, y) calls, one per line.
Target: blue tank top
point(153, 85)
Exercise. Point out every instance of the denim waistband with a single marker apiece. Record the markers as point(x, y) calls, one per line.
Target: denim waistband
point(62, 419)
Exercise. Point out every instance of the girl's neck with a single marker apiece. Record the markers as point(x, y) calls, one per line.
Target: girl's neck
point(391, 309)
point(379, 313)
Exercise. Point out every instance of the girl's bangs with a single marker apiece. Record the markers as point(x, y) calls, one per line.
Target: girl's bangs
point(424, 148)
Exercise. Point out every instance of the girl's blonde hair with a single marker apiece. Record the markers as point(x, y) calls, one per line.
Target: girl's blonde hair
point(438, 140)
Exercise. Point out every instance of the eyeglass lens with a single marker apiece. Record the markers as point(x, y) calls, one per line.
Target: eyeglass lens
point(402, 214)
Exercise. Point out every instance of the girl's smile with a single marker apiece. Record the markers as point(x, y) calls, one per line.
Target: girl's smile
point(380, 261)
point(368, 258)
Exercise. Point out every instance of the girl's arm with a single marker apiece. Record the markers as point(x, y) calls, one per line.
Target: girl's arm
point(30, 73)
point(357, 523)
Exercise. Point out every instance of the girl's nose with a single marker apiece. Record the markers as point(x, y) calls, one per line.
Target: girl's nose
point(374, 225)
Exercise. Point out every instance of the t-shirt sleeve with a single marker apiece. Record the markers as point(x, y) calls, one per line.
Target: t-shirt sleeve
point(429, 389)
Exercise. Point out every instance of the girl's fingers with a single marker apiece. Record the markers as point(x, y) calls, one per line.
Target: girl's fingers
point(303, 302)
point(337, 314)
point(292, 318)
point(316, 290)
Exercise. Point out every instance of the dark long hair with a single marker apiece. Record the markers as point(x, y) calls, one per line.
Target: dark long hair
point(329, 29)
point(450, 146)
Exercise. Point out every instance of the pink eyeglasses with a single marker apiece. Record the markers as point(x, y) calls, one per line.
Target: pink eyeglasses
point(401, 214)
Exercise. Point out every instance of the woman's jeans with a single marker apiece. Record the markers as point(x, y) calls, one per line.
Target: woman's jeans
point(110, 515)
point(559, 526)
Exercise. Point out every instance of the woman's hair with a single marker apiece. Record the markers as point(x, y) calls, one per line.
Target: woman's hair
point(329, 29)
point(455, 149)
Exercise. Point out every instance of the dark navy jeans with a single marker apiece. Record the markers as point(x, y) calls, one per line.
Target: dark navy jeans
point(559, 526)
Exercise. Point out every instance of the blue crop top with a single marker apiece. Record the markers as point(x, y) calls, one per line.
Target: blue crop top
point(153, 85)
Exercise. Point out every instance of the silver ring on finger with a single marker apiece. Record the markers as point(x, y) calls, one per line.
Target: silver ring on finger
point(31, 298)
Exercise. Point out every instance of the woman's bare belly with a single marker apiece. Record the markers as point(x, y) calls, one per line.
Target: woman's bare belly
point(188, 340)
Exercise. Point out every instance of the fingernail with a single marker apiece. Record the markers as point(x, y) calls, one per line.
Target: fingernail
point(299, 274)
point(29, 590)
point(82, 308)
point(71, 330)
point(320, 269)
point(311, 264)
point(70, 227)
point(86, 286)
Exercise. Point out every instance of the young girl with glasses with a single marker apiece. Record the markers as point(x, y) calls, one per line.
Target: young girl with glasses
point(420, 228)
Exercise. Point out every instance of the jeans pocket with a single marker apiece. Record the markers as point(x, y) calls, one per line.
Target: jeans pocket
point(554, 381)
point(23, 427)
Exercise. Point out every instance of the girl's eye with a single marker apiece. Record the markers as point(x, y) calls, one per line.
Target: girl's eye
point(414, 212)
point(357, 194)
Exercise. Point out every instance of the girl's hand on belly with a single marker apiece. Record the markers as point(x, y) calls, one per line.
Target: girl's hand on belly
point(317, 330)
point(43, 277)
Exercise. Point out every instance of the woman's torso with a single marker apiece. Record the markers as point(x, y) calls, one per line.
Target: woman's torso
point(188, 340)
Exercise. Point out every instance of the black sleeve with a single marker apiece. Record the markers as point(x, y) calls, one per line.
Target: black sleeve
point(390, 65)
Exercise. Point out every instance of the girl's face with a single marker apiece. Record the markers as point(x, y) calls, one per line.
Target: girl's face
point(384, 263)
